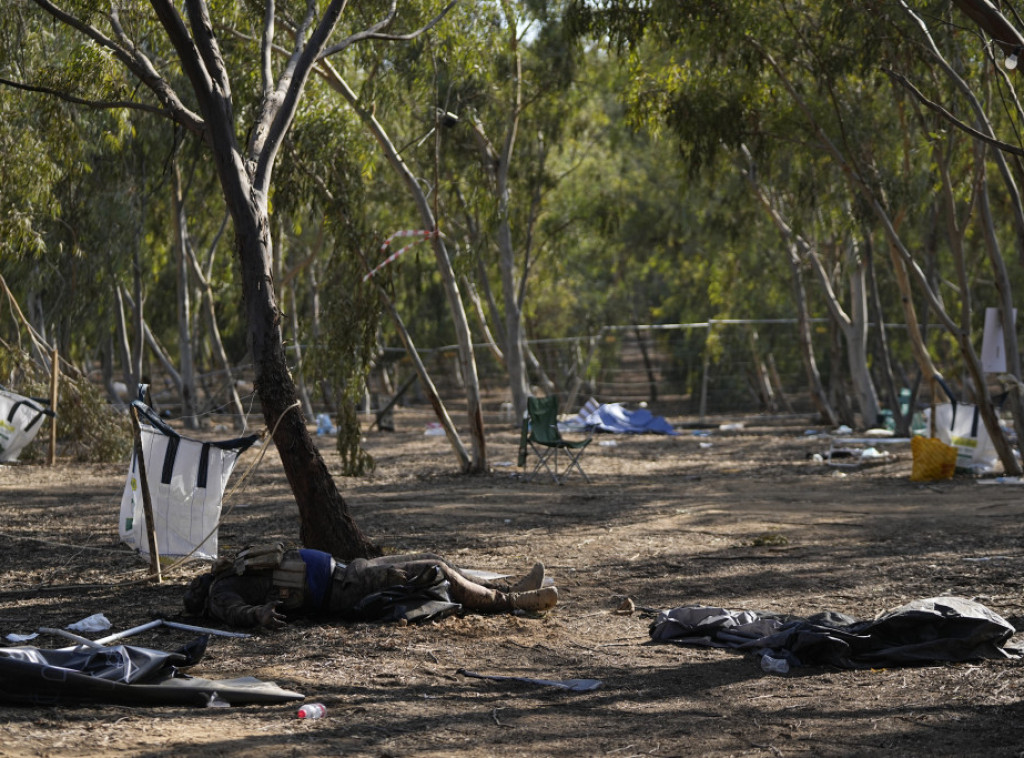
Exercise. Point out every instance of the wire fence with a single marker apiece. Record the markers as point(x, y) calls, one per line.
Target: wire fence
point(700, 369)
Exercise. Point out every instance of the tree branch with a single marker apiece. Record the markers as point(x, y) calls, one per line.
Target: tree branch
point(276, 120)
point(208, 50)
point(374, 32)
point(985, 15)
point(135, 61)
point(978, 135)
point(96, 104)
point(267, 49)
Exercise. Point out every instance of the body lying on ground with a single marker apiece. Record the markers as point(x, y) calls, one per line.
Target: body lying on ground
point(267, 585)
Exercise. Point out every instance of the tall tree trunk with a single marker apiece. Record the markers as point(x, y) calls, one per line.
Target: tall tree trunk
point(463, 336)
point(324, 517)
point(805, 337)
point(652, 382)
point(1005, 305)
point(856, 333)
point(186, 365)
point(901, 421)
point(131, 379)
point(325, 522)
point(515, 361)
point(138, 318)
point(795, 245)
point(307, 406)
point(216, 343)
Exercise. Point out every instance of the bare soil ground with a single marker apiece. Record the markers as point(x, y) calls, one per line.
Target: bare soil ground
point(748, 521)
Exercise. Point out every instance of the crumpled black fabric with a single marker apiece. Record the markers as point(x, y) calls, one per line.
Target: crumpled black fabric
point(940, 629)
point(425, 597)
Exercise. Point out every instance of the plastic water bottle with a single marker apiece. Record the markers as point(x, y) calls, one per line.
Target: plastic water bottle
point(774, 665)
point(312, 711)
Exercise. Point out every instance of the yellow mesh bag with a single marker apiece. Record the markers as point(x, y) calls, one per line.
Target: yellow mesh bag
point(933, 459)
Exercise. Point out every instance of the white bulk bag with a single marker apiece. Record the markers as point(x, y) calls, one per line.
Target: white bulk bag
point(960, 425)
point(187, 479)
point(20, 419)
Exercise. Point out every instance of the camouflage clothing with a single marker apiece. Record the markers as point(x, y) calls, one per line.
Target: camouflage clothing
point(265, 585)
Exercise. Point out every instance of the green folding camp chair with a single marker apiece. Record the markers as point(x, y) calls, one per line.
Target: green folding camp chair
point(540, 436)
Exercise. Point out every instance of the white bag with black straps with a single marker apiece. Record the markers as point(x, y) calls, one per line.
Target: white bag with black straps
point(20, 420)
point(961, 425)
point(187, 479)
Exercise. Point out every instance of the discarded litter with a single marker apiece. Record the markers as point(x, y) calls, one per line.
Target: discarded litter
point(172, 625)
point(1002, 480)
point(774, 665)
point(97, 622)
point(573, 685)
point(737, 427)
point(216, 701)
point(607, 443)
point(434, 429)
point(324, 425)
point(12, 637)
point(312, 711)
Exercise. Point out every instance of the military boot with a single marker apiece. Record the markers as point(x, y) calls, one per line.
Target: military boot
point(543, 599)
point(532, 581)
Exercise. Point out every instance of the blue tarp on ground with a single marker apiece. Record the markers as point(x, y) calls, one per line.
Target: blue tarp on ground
point(613, 417)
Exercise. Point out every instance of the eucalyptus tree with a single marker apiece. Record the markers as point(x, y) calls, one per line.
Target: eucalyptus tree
point(496, 93)
point(73, 226)
point(174, 64)
point(371, 108)
point(697, 74)
point(780, 78)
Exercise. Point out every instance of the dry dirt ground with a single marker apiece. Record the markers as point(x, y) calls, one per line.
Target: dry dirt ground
point(744, 520)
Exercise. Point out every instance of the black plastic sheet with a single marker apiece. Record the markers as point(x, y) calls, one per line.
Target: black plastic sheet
point(122, 674)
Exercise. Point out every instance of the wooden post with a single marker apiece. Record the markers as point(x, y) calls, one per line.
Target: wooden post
point(147, 502)
point(54, 385)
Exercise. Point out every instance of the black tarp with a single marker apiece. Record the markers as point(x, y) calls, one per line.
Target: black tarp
point(122, 674)
point(941, 629)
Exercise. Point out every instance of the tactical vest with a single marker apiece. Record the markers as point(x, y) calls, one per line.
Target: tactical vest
point(285, 567)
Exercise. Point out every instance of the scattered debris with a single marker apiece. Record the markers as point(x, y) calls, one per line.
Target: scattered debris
point(97, 622)
point(627, 608)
